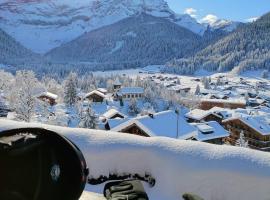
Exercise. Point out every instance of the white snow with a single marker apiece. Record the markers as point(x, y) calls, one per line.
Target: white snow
point(118, 46)
point(179, 166)
point(214, 172)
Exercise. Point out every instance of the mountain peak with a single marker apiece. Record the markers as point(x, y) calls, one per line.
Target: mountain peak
point(51, 23)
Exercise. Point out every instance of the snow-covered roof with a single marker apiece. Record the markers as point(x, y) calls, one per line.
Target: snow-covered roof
point(102, 90)
point(261, 124)
point(199, 114)
point(116, 122)
point(131, 90)
point(110, 113)
point(172, 163)
point(49, 94)
point(161, 124)
point(208, 131)
point(95, 92)
point(230, 101)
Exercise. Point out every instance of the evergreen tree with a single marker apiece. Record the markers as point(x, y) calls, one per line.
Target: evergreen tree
point(3, 108)
point(89, 119)
point(198, 90)
point(242, 142)
point(133, 108)
point(70, 89)
point(265, 74)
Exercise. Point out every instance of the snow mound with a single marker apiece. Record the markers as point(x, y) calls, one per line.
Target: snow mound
point(213, 172)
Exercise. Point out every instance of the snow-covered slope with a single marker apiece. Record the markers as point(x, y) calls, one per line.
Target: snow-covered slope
point(214, 172)
point(42, 25)
point(222, 24)
point(135, 41)
point(12, 52)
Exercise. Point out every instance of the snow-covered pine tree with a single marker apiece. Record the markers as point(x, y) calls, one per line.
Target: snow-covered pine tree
point(241, 142)
point(24, 103)
point(89, 119)
point(265, 74)
point(133, 108)
point(198, 90)
point(3, 107)
point(206, 83)
point(70, 89)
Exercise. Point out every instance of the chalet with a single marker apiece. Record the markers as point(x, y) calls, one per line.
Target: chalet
point(256, 130)
point(131, 92)
point(95, 96)
point(163, 124)
point(48, 97)
point(210, 132)
point(198, 115)
point(207, 104)
point(112, 114)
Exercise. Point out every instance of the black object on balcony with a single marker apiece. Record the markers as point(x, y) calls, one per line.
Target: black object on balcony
point(38, 164)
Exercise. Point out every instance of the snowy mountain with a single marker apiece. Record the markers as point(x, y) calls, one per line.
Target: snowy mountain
point(41, 25)
point(12, 52)
point(247, 48)
point(222, 24)
point(133, 42)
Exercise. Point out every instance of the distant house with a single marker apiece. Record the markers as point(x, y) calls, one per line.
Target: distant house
point(48, 97)
point(256, 130)
point(130, 92)
point(163, 124)
point(95, 96)
point(210, 132)
point(180, 89)
point(112, 114)
point(207, 104)
point(198, 115)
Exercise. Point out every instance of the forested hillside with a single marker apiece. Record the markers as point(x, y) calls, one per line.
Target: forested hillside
point(133, 42)
point(245, 49)
point(12, 52)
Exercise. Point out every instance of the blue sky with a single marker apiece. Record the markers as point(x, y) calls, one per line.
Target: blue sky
point(236, 10)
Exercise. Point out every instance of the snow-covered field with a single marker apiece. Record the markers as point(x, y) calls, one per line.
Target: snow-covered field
point(214, 172)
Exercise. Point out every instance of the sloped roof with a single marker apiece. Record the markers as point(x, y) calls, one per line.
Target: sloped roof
point(163, 124)
point(131, 90)
point(199, 114)
point(95, 92)
point(208, 131)
point(110, 113)
point(261, 124)
point(49, 94)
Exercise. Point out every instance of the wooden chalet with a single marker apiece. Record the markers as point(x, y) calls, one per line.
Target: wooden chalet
point(95, 96)
point(48, 97)
point(256, 130)
point(198, 115)
point(163, 124)
point(207, 104)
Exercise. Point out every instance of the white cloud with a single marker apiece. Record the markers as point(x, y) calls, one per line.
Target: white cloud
point(191, 11)
point(252, 19)
point(209, 19)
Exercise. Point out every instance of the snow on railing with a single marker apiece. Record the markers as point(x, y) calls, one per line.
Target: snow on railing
point(213, 172)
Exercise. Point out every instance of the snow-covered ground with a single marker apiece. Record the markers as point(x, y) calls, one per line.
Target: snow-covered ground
point(214, 172)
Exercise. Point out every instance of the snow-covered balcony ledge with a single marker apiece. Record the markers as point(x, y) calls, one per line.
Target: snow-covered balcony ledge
point(213, 172)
